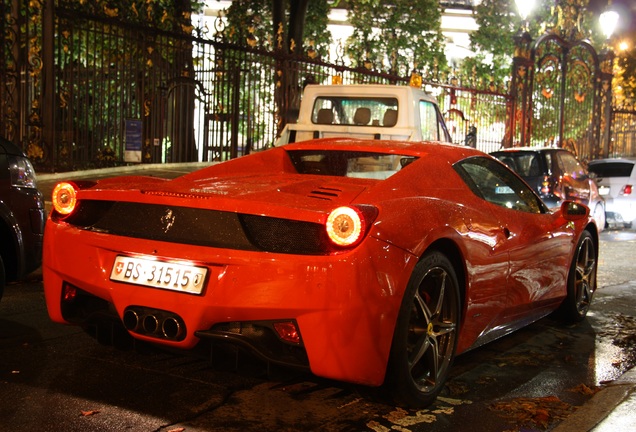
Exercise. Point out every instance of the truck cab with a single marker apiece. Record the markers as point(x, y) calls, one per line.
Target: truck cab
point(367, 111)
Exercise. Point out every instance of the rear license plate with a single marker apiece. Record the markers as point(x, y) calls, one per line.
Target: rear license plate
point(603, 190)
point(159, 274)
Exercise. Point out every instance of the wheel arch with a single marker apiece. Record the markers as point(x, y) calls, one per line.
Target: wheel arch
point(452, 251)
point(594, 230)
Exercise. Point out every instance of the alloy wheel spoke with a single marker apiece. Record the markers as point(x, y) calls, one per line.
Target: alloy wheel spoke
point(585, 272)
point(428, 313)
point(423, 345)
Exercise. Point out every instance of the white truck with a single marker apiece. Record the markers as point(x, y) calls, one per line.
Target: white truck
point(367, 111)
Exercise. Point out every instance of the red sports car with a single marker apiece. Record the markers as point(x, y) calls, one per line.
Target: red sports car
point(373, 262)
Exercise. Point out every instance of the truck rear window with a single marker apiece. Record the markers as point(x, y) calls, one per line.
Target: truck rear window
point(378, 166)
point(355, 111)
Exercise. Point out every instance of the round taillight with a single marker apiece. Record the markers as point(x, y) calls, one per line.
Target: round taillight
point(64, 198)
point(345, 226)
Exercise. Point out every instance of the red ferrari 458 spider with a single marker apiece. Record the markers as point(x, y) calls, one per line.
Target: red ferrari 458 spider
point(373, 262)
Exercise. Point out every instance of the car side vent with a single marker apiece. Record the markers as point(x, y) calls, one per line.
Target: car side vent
point(325, 193)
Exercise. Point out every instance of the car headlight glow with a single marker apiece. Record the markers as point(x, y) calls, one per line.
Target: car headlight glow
point(22, 173)
point(345, 226)
point(64, 198)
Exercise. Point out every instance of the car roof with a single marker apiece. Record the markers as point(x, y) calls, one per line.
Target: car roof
point(527, 149)
point(365, 90)
point(7, 147)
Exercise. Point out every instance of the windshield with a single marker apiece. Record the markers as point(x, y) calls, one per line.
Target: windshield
point(355, 111)
point(370, 165)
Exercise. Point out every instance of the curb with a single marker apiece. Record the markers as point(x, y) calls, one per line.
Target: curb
point(599, 408)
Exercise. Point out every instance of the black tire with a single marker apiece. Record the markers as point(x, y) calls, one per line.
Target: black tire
point(3, 277)
point(426, 332)
point(581, 280)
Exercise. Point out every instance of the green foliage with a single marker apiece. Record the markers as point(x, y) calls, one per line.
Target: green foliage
point(626, 61)
point(396, 36)
point(250, 22)
point(499, 23)
point(493, 41)
point(161, 14)
point(109, 59)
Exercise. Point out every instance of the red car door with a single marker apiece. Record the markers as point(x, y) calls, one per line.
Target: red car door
point(535, 241)
point(538, 247)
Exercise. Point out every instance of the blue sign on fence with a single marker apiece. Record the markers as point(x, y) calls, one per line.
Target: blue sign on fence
point(133, 141)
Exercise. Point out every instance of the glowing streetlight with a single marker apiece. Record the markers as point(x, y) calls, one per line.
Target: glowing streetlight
point(608, 21)
point(524, 7)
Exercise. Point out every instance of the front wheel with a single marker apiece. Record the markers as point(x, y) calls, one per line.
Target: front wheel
point(426, 333)
point(581, 280)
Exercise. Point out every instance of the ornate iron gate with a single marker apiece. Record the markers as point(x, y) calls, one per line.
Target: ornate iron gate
point(623, 133)
point(566, 103)
point(562, 90)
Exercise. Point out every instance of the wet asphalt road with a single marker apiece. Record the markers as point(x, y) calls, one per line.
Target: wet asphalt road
point(57, 378)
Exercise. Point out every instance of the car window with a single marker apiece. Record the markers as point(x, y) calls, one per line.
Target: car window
point(355, 111)
point(612, 169)
point(429, 121)
point(571, 166)
point(496, 184)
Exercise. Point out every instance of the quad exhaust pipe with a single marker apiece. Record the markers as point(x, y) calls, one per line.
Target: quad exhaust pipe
point(154, 322)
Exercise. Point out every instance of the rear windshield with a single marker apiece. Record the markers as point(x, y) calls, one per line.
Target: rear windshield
point(355, 111)
point(612, 169)
point(370, 165)
point(526, 164)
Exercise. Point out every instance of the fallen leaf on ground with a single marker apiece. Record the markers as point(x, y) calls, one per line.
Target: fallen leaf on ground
point(89, 413)
point(540, 412)
point(585, 390)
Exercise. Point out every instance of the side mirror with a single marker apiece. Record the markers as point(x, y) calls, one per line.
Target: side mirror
point(573, 211)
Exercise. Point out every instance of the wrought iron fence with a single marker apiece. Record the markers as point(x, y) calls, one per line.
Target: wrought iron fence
point(126, 93)
point(623, 132)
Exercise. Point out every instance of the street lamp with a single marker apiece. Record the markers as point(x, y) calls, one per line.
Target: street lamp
point(608, 21)
point(525, 7)
point(521, 64)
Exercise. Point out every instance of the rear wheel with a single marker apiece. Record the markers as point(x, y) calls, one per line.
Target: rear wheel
point(581, 280)
point(426, 333)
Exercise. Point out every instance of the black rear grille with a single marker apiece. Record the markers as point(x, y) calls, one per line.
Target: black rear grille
point(200, 227)
point(286, 236)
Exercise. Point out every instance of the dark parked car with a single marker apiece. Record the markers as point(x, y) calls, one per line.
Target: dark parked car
point(22, 215)
point(556, 175)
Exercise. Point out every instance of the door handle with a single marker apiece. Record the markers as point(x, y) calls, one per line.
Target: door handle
point(507, 232)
